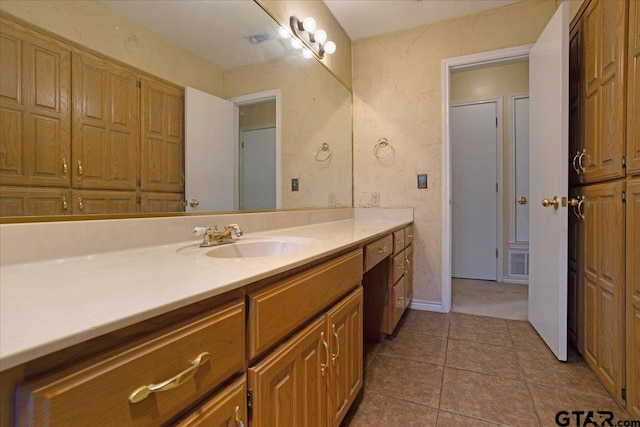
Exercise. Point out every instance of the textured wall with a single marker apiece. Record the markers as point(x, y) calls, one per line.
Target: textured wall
point(397, 94)
point(97, 27)
point(316, 108)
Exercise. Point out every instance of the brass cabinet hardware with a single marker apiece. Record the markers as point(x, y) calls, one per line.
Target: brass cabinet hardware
point(575, 165)
point(522, 200)
point(64, 204)
point(334, 357)
point(579, 209)
point(382, 250)
point(324, 366)
point(65, 169)
point(580, 159)
point(80, 204)
point(555, 202)
point(80, 169)
point(239, 422)
point(143, 392)
point(400, 266)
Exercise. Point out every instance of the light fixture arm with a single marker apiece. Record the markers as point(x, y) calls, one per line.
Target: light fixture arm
point(306, 37)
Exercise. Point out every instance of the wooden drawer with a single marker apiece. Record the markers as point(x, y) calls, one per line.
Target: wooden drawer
point(377, 251)
point(226, 408)
point(408, 235)
point(398, 241)
point(98, 392)
point(397, 267)
point(277, 311)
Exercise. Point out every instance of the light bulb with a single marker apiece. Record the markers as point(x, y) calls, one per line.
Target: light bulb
point(309, 24)
point(329, 47)
point(307, 53)
point(320, 36)
point(284, 33)
point(295, 43)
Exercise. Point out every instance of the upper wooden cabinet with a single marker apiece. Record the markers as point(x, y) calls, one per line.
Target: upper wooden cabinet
point(106, 130)
point(604, 39)
point(633, 92)
point(34, 108)
point(162, 129)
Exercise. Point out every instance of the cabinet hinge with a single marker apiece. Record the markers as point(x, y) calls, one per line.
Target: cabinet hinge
point(624, 161)
point(249, 404)
point(624, 394)
point(624, 196)
point(139, 83)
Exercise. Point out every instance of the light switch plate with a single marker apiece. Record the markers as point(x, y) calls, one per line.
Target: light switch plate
point(294, 184)
point(422, 180)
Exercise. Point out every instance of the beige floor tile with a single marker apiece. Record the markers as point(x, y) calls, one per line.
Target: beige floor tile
point(489, 330)
point(449, 419)
point(524, 336)
point(545, 369)
point(424, 348)
point(409, 380)
point(379, 410)
point(550, 400)
point(484, 358)
point(425, 323)
point(369, 350)
point(496, 399)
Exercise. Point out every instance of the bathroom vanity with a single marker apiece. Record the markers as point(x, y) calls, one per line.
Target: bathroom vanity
point(174, 333)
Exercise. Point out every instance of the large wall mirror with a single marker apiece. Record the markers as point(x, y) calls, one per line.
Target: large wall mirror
point(261, 126)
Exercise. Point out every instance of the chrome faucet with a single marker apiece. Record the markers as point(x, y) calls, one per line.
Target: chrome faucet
point(215, 237)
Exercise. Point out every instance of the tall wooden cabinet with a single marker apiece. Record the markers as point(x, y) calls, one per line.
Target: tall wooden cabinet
point(603, 255)
point(84, 134)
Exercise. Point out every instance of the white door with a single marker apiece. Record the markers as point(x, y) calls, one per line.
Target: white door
point(473, 181)
point(521, 133)
point(258, 170)
point(548, 167)
point(209, 152)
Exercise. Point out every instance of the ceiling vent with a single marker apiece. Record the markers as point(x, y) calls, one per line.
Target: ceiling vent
point(259, 38)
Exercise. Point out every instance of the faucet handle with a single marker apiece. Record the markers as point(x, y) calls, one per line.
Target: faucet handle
point(236, 229)
point(199, 231)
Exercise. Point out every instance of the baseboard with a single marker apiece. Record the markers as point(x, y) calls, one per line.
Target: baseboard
point(423, 305)
point(515, 281)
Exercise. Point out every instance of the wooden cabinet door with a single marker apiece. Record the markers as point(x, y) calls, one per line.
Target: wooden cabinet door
point(35, 80)
point(575, 291)
point(575, 103)
point(604, 281)
point(162, 145)
point(633, 92)
point(289, 386)
point(604, 39)
point(226, 409)
point(162, 202)
point(88, 202)
point(344, 329)
point(633, 297)
point(105, 125)
point(26, 201)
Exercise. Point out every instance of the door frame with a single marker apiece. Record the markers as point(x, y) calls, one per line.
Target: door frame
point(499, 177)
point(254, 98)
point(466, 62)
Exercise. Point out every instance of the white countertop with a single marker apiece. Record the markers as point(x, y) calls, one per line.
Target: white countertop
point(50, 305)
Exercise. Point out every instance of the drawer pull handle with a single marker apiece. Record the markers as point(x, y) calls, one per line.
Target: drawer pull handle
point(324, 366)
point(239, 422)
point(401, 266)
point(143, 392)
point(334, 357)
point(80, 170)
point(382, 250)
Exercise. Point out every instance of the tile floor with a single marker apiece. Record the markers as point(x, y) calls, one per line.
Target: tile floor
point(488, 298)
point(465, 370)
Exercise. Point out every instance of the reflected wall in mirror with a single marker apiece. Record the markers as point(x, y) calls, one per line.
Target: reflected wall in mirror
point(130, 140)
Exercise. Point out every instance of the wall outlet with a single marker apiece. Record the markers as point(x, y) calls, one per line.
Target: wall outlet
point(375, 199)
point(294, 184)
point(332, 199)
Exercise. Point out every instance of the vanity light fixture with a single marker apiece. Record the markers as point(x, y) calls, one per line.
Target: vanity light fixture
point(314, 41)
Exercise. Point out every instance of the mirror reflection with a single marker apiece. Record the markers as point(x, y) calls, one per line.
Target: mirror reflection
point(124, 107)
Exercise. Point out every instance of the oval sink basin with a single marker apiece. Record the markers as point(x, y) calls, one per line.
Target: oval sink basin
point(266, 247)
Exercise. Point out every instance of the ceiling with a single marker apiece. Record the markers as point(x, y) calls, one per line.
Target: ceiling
point(366, 18)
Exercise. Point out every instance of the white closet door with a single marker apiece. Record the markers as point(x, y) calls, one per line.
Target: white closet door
point(474, 176)
point(258, 169)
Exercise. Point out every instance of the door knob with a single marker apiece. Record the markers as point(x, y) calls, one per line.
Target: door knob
point(522, 200)
point(193, 202)
point(555, 202)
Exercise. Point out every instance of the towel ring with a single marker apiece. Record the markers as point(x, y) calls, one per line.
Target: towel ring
point(382, 143)
point(323, 147)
